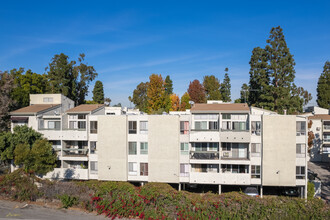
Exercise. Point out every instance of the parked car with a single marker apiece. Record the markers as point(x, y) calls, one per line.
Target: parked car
point(292, 192)
point(251, 191)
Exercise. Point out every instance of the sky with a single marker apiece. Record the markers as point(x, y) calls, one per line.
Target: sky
point(127, 41)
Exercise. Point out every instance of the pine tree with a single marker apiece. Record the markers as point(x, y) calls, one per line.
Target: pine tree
point(244, 94)
point(98, 92)
point(196, 92)
point(225, 88)
point(323, 87)
point(168, 85)
point(212, 87)
point(185, 102)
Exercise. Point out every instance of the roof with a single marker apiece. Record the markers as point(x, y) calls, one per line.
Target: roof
point(85, 108)
point(320, 116)
point(32, 109)
point(220, 107)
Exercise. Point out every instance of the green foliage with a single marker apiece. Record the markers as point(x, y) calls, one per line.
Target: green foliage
point(98, 93)
point(196, 92)
point(185, 102)
point(225, 88)
point(211, 86)
point(323, 87)
point(157, 98)
point(69, 78)
point(168, 85)
point(6, 101)
point(310, 190)
point(68, 201)
point(140, 98)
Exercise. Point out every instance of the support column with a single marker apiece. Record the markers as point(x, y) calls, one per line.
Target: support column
point(219, 189)
point(184, 186)
point(179, 186)
point(142, 183)
point(261, 191)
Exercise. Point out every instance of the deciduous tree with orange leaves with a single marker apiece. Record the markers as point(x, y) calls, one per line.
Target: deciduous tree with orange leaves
point(196, 92)
point(175, 102)
point(157, 98)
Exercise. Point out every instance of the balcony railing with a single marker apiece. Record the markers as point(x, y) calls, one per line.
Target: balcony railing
point(234, 156)
point(326, 127)
point(229, 130)
point(204, 155)
point(204, 129)
point(75, 152)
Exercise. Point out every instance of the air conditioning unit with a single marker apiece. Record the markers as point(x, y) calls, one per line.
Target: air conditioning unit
point(225, 154)
point(318, 128)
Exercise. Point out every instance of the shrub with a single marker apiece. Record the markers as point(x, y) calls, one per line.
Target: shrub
point(310, 190)
point(68, 201)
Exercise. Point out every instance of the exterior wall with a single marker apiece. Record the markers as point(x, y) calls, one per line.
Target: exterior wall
point(163, 139)
point(279, 150)
point(39, 99)
point(112, 148)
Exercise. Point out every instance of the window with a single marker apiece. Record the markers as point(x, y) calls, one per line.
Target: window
point(73, 116)
point(226, 125)
point(201, 125)
point(48, 99)
point(81, 125)
point(300, 172)
point(231, 168)
point(184, 127)
point(213, 146)
point(300, 149)
point(143, 169)
point(81, 116)
point(255, 149)
point(255, 171)
point(213, 125)
point(255, 127)
point(184, 148)
point(132, 148)
point(54, 125)
point(132, 127)
point(73, 125)
point(143, 127)
point(301, 128)
point(93, 147)
point(226, 116)
point(132, 168)
point(205, 168)
point(239, 126)
point(226, 168)
point(226, 146)
point(144, 148)
point(184, 169)
point(201, 146)
point(93, 128)
point(94, 167)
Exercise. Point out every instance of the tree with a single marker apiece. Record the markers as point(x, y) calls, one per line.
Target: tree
point(69, 78)
point(25, 84)
point(323, 87)
point(311, 136)
point(244, 94)
point(185, 102)
point(212, 87)
point(6, 102)
point(98, 93)
point(225, 88)
point(168, 85)
point(140, 98)
point(157, 99)
point(196, 92)
point(117, 105)
point(107, 101)
point(175, 102)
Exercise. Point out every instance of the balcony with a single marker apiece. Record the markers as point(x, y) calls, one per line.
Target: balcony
point(204, 155)
point(75, 154)
point(326, 127)
point(228, 155)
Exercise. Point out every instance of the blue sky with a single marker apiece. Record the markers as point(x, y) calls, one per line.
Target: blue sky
point(126, 41)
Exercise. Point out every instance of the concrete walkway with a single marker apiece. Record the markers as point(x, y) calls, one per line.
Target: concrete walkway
point(323, 172)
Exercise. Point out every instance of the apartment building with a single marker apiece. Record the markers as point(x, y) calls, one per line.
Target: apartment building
point(215, 143)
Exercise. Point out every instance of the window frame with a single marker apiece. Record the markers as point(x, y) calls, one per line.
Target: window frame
point(130, 145)
point(131, 125)
point(144, 169)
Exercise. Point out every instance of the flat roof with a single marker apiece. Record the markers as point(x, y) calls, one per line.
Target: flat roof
point(220, 107)
point(85, 108)
point(32, 109)
point(320, 116)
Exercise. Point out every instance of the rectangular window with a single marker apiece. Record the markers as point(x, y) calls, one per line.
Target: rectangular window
point(81, 116)
point(93, 127)
point(239, 126)
point(184, 127)
point(144, 148)
point(226, 146)
point(143, 127)
point(184, 148)
point(255, 127)
point(82, 125)
point(300, 172)
point(226, 125)
point(255, 149)
point(205, 168)
point(184, 169)
point(201, 125)
point(51, 124)
point(255, 171)
point(48, 99)
point(213, 125)
point(73, 116)
point(213, 146)
point(226, 168)
point(301, 128)
point(94, 167)
point(300, 148)
point(226, 116)
point(132, 127)
point(132, 148)
point(143, 169)
point(73, 125)
point(132, 168)
point(93, 147)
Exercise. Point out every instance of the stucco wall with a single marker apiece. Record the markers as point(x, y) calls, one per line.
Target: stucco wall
point(279, 150)
point(164, 145)
point(112, 148)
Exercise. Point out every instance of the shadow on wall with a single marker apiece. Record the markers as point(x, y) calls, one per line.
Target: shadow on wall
point(69, 174)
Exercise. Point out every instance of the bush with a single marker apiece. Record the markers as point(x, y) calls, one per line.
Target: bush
point(68, 201)
point(310, 190)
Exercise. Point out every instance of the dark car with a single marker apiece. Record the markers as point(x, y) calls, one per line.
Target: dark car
point(251, 191)
point(292, 192)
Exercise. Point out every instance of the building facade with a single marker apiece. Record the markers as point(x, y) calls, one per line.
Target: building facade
point(215, 143)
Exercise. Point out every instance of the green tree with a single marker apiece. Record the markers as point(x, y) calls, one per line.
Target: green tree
point(196, 92)
point(323, 87)
point(212, 87)
point(25, 84)
point(244, 94)
point(6, 102)
point(225, 88)
point(69, 78)
point(98, 93)
point(140, 98)
point(157, 99)
point(168, 85)
point(185, 102)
